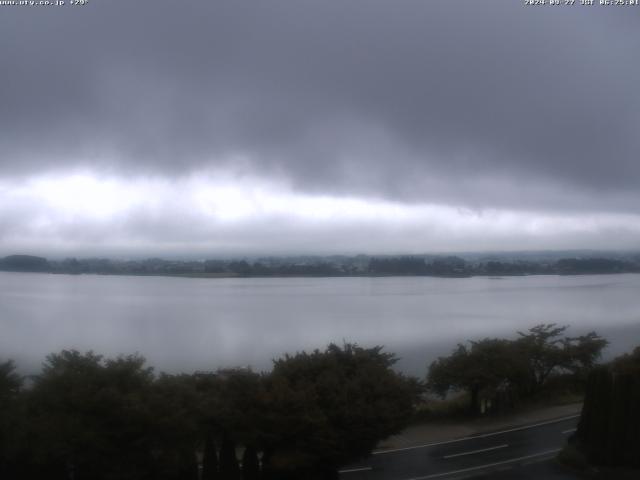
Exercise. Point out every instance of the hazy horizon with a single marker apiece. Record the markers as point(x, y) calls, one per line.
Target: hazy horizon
point(201, 256)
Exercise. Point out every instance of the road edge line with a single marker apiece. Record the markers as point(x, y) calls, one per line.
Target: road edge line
point(354, 470)
point(488, 465)
point(472, 452)
point(471, 437)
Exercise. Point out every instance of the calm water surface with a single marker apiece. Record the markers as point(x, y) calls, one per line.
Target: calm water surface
point(186, 324)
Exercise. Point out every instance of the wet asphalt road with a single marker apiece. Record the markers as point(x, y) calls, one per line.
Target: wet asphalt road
point(518, 453)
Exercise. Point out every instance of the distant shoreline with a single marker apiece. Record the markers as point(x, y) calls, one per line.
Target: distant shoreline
point(494, 266)
point(364, 275)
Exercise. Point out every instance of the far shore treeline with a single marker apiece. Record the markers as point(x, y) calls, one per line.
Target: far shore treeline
point(84, 416)
point(337, 265)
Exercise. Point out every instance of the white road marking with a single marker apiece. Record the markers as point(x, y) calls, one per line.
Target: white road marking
point(534, 461)
point(353, 470)
point(488, 465)
point(473, 437)
point(476, 451)
point(571, 430)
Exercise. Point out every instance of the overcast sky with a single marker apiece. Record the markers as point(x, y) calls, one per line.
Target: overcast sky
point(250, 127)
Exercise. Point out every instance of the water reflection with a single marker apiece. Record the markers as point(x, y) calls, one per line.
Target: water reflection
point(186, 324)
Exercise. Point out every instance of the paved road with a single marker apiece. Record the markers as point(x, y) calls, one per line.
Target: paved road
point(479, 456)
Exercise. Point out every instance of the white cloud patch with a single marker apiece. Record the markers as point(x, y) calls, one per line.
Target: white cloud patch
point(213, 213)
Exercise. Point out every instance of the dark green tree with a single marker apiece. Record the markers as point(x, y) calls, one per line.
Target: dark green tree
point(11, 415)
point(10, 382)
point(548, 352)
point(209, 459)
point(480, 369)
point(90, 416)
point(229, 468)
point(239, 405)
point(94, 418)
point(593, 428)
point(231, 405)
point(330, 407)
point(542, 347)
point(250, 464)
point(64, 407)
point(609, 428)
point(628, 363)
point(510, 369)
point(176, 428)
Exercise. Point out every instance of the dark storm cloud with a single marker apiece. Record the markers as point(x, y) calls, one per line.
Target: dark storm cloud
point(471, 103)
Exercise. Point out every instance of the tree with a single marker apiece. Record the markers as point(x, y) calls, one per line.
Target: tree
point(229, 468)
point(398, 266)
point(63, 405)
point(582, 353)
point(498, 368)
point(175, 430)
point(250, 464)
point(241, 267)
point(237, 404)
point(209, 459)
point(548, 352)
point(609, 427)
point(90, 416)
point(330, 407)
point(627, 363)
point(10, 417)
point(231, 410)
point(483, 367)
point(10, 382)
point(542, 347)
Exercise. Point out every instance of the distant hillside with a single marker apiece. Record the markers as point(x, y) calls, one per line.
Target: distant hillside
point(24, 263)
point(331, 266)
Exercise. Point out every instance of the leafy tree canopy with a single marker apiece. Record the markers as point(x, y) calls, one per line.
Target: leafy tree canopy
point(330, 407)
point(521, 366)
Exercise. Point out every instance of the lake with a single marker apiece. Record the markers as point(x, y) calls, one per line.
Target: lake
point(186, 324)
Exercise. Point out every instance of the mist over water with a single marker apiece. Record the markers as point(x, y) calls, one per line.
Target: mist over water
point(186, 324)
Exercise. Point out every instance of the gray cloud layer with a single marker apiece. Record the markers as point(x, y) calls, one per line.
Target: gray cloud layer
point(476, 104)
